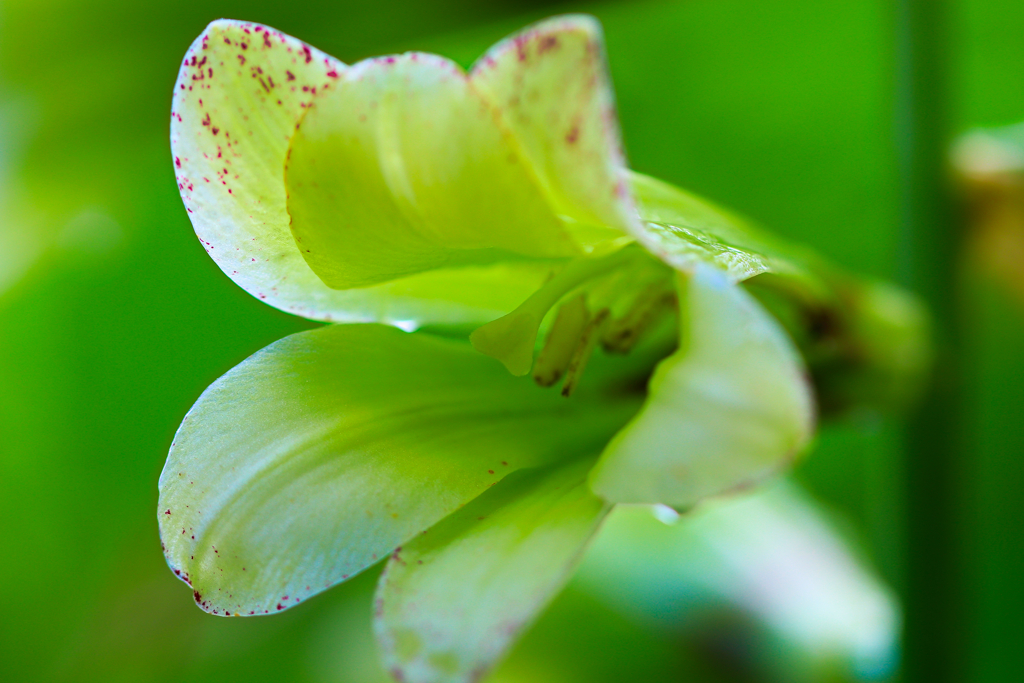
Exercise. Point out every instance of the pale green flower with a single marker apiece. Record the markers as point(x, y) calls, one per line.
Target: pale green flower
point(402, 190)
point(808, 607)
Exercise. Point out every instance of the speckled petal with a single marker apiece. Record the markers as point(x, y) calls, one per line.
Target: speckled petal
point(452, 601)
point(550, 84)
point(321, 453)
point(239, 95)
point(729, 408)
point(240, 92)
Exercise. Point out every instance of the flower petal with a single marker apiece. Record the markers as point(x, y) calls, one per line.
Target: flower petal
point(550, 84)
point(321, 453)
point(240, 93)
point(401, 167)
point(866, 342)
point(731, 406)
point(452, 601)
point(685, 230)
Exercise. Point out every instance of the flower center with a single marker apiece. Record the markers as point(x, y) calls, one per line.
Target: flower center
point(609, 300)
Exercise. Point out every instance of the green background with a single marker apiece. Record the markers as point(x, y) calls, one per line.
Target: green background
point(112, 320)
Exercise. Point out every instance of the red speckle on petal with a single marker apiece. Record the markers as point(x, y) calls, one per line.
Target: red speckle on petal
point(520, 43)
point(546, 43)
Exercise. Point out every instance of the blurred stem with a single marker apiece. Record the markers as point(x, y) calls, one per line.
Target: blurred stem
point(935, 632)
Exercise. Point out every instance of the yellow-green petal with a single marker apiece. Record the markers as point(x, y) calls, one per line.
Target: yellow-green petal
point(452, 601)
point(402, 167)
point(729, 408)
point(319, 454)
point(550, 85)
point(685, 230)
point(241, 90)
point(866, 342)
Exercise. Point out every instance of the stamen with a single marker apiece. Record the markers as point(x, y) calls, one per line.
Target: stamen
point(622, 334)
point(581, 355)
point(511, 338)
point(561, 342)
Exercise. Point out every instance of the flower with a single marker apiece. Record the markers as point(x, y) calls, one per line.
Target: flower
point(800, 603)
point(405, 191)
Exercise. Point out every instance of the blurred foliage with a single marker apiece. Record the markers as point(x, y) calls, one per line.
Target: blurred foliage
point(112, 320)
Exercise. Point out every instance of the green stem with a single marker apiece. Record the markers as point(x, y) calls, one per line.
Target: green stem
point(934, 637)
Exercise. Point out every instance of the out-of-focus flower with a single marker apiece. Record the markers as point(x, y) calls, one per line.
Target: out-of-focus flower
point(815, 611)
point(990, 166)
